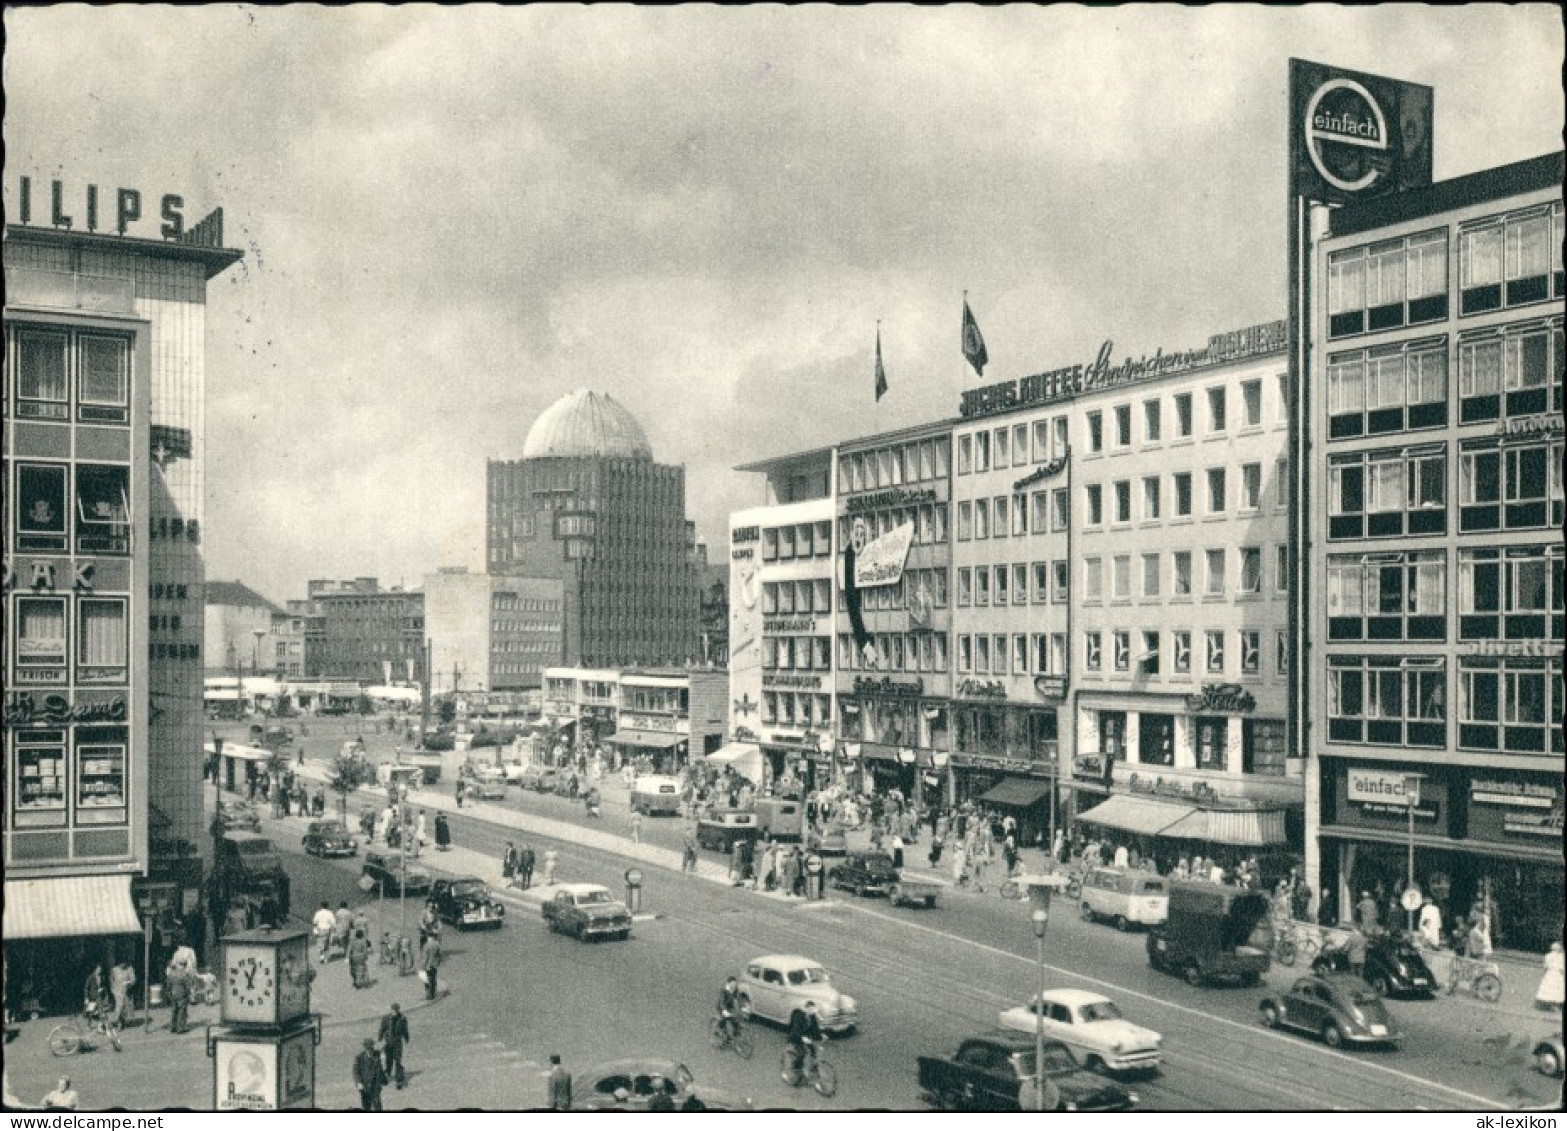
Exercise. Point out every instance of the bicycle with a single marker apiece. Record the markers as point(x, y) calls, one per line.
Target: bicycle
point(76, 1035)
point(1297, 941)
point(813, 1069)
point(1478, 976)
point(1009, 888)
point(728, 1032)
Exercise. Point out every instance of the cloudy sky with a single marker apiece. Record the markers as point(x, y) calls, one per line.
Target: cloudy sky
point(452, 217)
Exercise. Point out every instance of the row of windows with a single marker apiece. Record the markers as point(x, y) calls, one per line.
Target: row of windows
point(1001, 653)
point(511, 603)
point(1039, 581)
point(49, 364)
point(920, 589)
point(45, 628)
point(1510, 705)
point(1153, 503)
point(897, 652)
point(83, 508)
point(1042, 511)
point(511, 647)
point(929, 521)
point(917, 462)
point(1216, 402)
point(799, 653)
point(50, 786)
point(803, 540)
point(797, 597)
point(1149, 658)
point(1208, 742)
point(1008, 446)
point(507, 625)
point(790, 709)
point(515, 667)
point(1151, 567)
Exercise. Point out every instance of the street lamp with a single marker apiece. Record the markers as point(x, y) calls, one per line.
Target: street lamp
point(1411, 800)
point(1040, 888)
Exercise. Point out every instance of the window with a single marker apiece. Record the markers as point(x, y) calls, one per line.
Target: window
point(1511, 594)
point(1096, 432)
point(981, 451)
point(1058, 653)
point(1181, 582)
point(786, 543)
point(769, 544)
point(1091, 651)
point(1210, 736)
point(965, 521)
point(1515, 373)
point(965, 454)
point(1093, 579)
point(1387, 701)
point(1251, 569)
point(1216, 493)
point(1150, 575)
point(1123, 500)
point(1121, 651)
point(41, 387)
point(1019, 654)
point(1388, 389)
point(1387, 597)
point(1251, 652)
point(103, 391)
point(982, 585)
point(1000, 447)
point(939, 531)
point(1093, 495)
point(1251, 402)
point(1001, 519)
point(1019, 515)
point(1041, 582)
point(1001, 585)
point(1281, 470)
point(1156, 740)
point(101, 640)
point(1183, 494)
point(41, 507)
point(981, 518)
point(1181, 651)
point(1183, 414)
point(1346, 292)
point(1058, 429)
point(1041, 441)
point(1151, 421)
point(1041, 647)
point(1214, 645)
point(1062, 586)
point(982, 653)
point(1386, 493)
point(1123, 425)
point(965, 654)
point(1251, 486)
point(1281, 569)
point(40, 778)
point(1511, 705)
point(1214, 585)
point(40, 635)
point(1151, 497)
point(1387, 285)
point(1059, 509)
point(1262, 747)
point(1148, 659)
point(1216, 409)
point(1121, 577)
point(1510, 488)
point(1041, 511)
point(1507, 262)
point(1019, 584)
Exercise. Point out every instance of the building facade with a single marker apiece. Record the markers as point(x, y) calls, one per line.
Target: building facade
point(367, 634)
point(1437, 646)
point(103, 580)
point(587, 505)
point(667, 715)
point(235, 634)
point(491, 633)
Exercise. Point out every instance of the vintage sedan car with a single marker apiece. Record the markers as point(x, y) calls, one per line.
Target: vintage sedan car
point(1341, 1008)
point(329, 838)
point(627, 1085)
point(540, 779)
point(865, 873)
point(392, 874)
point(1548, 1056)
point(587, 911)
point(828, 841)
point(238, 815)
point(1091, 1026)
point(775, 987)
point(995, 1072)
point(1393, 966)
point(722, 830)
point(466, 902)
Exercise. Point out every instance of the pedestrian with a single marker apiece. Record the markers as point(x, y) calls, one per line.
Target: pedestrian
point(897, 851)
point(1550, 994)
point(1431, 925)
point(443, 833)
point(121, 979)
point(688, 854)
point(359, 960)
point(551, 858)
point(429, 922)
point(935, 849)
point(959, 864)
point(1122, 857)
point(559, 1085)
point(1355, 947)
point(509, 864)
point(460, 784)
point(1479, 939)
point(63, 1098)
point(342, 926)
point(393, 1036)
point(636, 826)
point(1367, 915)
point(419, 838)
point(177, 988)
point(1215, 872)
point(525, 861)
point(432, 966)
point(369, 1076)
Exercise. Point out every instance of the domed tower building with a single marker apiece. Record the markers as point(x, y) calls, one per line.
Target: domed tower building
point(588, 504)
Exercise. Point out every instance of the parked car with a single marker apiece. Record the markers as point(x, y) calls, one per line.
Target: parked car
point(390, 872)
point(540, 779)
point(1341, 1008)
point(466, 902)
point(995, 1072)
point(587, 911)
point(248, 868)
point(865, 873)
point(238, 815)
point(1393, 966)
point(829, 841)
point(721, 831)
point(1124, 897)
point(775, 987)
point(1548, 1056)
point(1091, 1026)
point(486, 789)
point(329, 838)
point(627, 1085)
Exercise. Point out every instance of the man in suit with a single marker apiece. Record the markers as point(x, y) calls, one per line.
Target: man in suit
point(559, 1085)
point(432, 965)
point(393, 1036)
point(525, 864)
point(369, 1076)
point(177, 988)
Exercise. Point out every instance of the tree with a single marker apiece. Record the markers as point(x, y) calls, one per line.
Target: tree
point(446, 710)
point(350, 770)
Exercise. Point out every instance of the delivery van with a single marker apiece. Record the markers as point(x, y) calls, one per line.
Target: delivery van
point(1124, 896)
point(654, 795)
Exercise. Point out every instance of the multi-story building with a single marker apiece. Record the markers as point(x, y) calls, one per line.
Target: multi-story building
point(667, 714)
point(238, 623)
point(288, 641)
point(1437, 508)
point(103, 582)
point(587, 505)
point(491, 633)
point(367, 634)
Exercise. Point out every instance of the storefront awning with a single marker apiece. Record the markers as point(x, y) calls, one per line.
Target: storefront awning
point(69, 906)
point(1243, 827)
point(1140, 815)
point(656, 740)
point(1018, 793)
point(343, 690)
point(744, 757)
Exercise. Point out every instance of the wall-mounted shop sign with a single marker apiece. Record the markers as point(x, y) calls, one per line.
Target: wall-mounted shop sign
point(1172, 787)
point(1072, 380)
point(92, 209)
point(1050, 686)
point(629, 721)
point(25, 708)
point(1511, 809)
point(1530, 427)
point(1221, 698)
point(892, 497)
point(1045, 472)
point(789, 624)
point(887, 687)
point(1389, 794)
point(788, 679)
point(742, 534)
point(982, 689)
point(1536, 648)
point(1089, 766)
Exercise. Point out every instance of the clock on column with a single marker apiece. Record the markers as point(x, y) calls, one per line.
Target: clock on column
point(266, 976)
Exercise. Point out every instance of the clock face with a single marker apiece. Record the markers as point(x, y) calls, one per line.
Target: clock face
point(252, 984)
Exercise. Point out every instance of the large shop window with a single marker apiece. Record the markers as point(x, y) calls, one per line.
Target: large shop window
point(41, 507)
point(1387, 700)
point(1512, 487)
point(1389, 389)
point(100, 776)
point(39, 789)
point(1384, 286)
point(1388, 493)
point(1112, 735)
point(1211, 737)
point(1513, 593)
point(1387, 596)
point(1512, 371)
point(1262, 747)
point(101, 640)
point(1511, 705)
point(40, 637)
point(1156, 740)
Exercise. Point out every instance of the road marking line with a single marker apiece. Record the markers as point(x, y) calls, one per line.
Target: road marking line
point(1129, 992)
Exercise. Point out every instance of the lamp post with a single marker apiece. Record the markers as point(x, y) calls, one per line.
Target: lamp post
point(1411, 800)
point(1040, 888)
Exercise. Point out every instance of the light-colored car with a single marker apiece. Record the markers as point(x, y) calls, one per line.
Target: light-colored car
point(1091, 1026)
point(627, 1085)
point(587, 911)
point(777, 986)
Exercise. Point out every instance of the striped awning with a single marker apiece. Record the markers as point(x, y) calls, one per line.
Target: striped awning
point(1141, 815)
point(1252, 828)
point(652, 739)
point(69, 906)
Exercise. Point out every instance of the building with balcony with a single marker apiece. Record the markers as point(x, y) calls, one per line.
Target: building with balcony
point(1436, 564)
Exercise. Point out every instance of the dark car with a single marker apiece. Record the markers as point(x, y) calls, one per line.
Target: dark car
point(238, 815)
point(995, 1072)
point(587, 911)
point(329, 838)
point(1393, 966)
point(466, 902)
point(389, 872)
point(1340, 1008)
point(865, 873)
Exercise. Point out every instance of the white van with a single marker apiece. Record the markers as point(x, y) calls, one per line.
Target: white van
point(654, 795)
point(1125, 897)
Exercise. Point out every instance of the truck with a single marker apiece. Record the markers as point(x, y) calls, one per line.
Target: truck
point(780, 818)
point(1213, 933)
point(654, 795)
point(248, 870)
point(721, 831)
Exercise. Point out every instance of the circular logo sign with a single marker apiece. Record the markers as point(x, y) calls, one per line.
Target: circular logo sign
point(859, 535)
point(1346, 135)
point(1412, 899)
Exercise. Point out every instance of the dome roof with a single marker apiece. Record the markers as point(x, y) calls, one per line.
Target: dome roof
point(584, 423)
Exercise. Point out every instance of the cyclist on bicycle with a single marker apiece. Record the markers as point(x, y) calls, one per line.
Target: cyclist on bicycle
point(95, 995)
point(805, 1031)
point(729, 1005)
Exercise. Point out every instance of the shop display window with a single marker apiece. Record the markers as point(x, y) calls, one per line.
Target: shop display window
point(101, 640)
point(1156, 740)
point(39, 789)
point(101, 783)
point(1211, 738)
point(1262, 747)
point(41, 507)
point(40, 636)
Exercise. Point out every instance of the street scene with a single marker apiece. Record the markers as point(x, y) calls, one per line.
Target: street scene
point(526, 589)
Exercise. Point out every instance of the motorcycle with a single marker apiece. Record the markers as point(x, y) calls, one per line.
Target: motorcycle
point(590, 801)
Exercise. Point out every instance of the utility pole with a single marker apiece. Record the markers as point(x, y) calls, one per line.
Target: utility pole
point(424, 691)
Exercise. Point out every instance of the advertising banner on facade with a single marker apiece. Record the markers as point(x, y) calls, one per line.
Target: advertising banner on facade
point(1380, 797)
point(1508, 809)
point(1354, 136)
point(745, 624)
point(881, 561)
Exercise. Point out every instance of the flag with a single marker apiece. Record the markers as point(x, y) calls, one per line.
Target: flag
point(973, 341)
point(881, 370)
